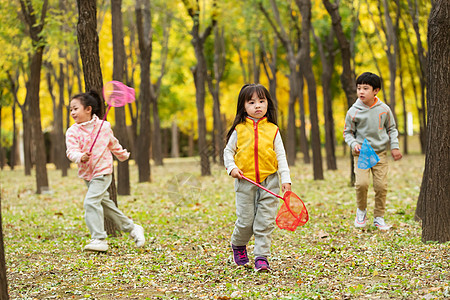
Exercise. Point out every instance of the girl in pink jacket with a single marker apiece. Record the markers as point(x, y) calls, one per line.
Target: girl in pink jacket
point(96, 168)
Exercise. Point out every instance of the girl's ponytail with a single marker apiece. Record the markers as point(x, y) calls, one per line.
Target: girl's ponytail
point(97, 109)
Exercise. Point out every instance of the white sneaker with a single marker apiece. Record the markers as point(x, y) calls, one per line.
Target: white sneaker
point(138, 235)
point(361, 218)
point(379, 222)
point(97, 245)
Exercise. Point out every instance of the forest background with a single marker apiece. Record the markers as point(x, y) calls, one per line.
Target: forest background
point(251, 41)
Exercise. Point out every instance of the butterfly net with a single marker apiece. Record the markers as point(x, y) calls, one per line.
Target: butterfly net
point(367, 156)
point(292, 212)
point(117, 94)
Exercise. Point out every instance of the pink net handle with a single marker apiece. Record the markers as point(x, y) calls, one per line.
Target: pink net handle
point(117, 94)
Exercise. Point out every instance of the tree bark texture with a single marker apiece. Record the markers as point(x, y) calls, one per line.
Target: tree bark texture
point(200, 73)
point(433, 206)
point(327, 57)
point(123, 171)
point(422, 71)
point(214, 80)
point(35, 28)
point(348, 81)
point(306, 65)
point(143, 25)
point(3, 279)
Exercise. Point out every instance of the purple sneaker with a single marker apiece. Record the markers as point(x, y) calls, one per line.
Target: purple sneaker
point(240, 255)
point(261, 264)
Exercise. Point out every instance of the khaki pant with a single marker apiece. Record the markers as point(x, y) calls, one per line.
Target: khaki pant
point(379, 174)
point(98, 205)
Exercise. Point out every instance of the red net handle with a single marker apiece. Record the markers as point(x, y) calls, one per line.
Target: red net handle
point(258, 185)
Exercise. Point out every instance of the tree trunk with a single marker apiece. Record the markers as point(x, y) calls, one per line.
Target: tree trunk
point(391, 32)
point(3, 279)
point(123, 171)
point(61, 145)
point(348, 81)
point(143, 24)
point(433, 206)
point(14, 88)
point(27, 145)
point(421, 72)
point(291, 144)
point(35, 113)
point(304, 144)
point(33, 86)
point(191, 143)
point(13, 159)
point(90, 58)
point(327, 75)
point(306, 65)
point(214, 80)
point(157, 149)
point(199, 72)
point(405, 113)
point(2, 152)
point(175, 140)
point(271, 62)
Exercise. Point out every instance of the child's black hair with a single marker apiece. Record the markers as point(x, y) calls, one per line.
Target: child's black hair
point(246, 94)
point(92, 99)
point(369, 78)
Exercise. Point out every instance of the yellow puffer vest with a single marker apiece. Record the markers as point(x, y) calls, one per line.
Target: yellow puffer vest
point(255, 155)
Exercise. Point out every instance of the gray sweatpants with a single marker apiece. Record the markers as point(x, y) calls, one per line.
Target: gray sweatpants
point(98, 205)
point(256, 211)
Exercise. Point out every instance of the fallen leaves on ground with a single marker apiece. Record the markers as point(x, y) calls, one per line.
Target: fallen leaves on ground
point(188, 228)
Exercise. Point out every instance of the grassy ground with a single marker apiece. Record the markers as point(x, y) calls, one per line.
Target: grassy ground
point(188, 220)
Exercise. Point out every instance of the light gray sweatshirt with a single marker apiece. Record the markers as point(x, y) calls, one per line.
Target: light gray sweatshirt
point(375, 123)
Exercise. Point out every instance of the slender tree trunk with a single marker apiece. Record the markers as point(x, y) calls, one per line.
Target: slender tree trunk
point(304, 144)
point(175, 140)
point(199, 72)
point(123, 171)
point(27, 145)
point(33, 86)
point(327, 75)
point(38, 137)
point(214, 87)
point(306, 65)
point(291, 144)
point(271, 62)
point(3, 278)
point(14, 89)
point(2, 151)
point(433, 206)
point(405, 113)
point(391, 49)
point(157, 153)
point(90, 57)
point(191, 144)
point(348, 81)
point(61, 145)
point(422, 71)
point(53, 136)
point(14, 156)
point(143, 25)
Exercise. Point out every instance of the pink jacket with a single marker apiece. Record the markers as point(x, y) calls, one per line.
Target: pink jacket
point(79, 138)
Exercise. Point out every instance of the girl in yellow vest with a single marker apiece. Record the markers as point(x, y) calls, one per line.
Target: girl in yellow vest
point(255, 149)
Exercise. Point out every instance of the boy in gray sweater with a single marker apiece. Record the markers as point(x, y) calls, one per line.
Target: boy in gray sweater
point(371, 119)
